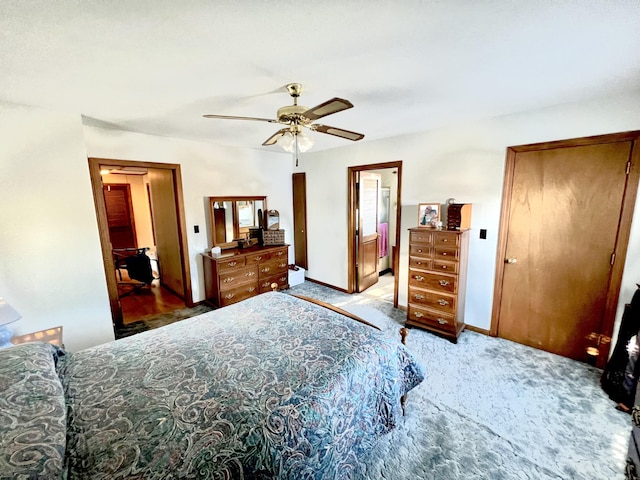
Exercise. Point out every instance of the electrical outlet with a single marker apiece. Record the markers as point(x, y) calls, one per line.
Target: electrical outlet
point(483, 233)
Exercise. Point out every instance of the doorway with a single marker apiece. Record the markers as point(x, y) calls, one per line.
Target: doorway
point(151, 276)
point(564, 229)
point(387, 234)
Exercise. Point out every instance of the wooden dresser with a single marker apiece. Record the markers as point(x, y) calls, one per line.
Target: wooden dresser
point(242, 273)
point(437, 280)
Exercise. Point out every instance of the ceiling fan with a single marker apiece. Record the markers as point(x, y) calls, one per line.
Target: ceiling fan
point(297, 117)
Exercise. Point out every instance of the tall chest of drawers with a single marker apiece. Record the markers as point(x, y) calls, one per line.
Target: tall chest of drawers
point(242, 273)
point(437, 280)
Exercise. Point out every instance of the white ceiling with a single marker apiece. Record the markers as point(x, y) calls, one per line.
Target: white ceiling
point(155, 66)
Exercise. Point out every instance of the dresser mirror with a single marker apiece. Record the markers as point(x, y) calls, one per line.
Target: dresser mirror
point(232, 217)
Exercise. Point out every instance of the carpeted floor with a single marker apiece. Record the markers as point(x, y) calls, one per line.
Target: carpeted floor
point(488, 408)
point(493, 409)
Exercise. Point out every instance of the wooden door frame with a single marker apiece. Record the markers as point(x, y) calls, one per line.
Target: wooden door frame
point(103, 228)
point(351, 223)
point(622, 239)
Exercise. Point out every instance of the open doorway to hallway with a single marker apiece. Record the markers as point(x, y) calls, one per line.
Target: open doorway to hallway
point(374, 235)
point(140, 219)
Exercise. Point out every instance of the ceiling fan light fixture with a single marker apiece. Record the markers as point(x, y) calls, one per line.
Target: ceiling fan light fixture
point(305, 142)
point(286, 141)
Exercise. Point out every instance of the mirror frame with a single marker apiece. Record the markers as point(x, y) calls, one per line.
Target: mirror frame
point(234, 199)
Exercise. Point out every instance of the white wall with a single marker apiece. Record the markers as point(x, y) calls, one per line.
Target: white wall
point(51, 267)
point(465, 162)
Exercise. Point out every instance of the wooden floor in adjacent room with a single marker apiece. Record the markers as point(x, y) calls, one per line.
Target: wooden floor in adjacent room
point(147, 301)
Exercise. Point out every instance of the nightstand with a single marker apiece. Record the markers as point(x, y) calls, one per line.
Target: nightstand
point(50, 335)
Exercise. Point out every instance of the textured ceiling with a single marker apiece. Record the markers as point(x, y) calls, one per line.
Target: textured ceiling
point(156, 66)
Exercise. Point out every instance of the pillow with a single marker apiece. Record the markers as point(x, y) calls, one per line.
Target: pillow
point(32, 412)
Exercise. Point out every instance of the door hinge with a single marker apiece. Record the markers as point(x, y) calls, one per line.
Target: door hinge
point(612, 260)
point(628, 167)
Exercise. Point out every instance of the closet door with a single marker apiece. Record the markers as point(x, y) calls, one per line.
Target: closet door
point(564, 245)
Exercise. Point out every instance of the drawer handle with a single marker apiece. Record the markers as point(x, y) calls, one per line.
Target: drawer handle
point(228, 279)
point(229, 296)
point(419, 315)
point(265, 284)
point(280, 254)
point(258, 258)
point(444, 254)
point(444, 283)
point(265, 270)
point(282, 265)
point(419, 278)
point(442, 302)
point(442, 321)
point(444, 267)
point(232, 264)
point(418, 296)
point(445, 240)
point(249, 274)
point(419, 250)
point(282, 279)
point(252, 289)
point(419, 263)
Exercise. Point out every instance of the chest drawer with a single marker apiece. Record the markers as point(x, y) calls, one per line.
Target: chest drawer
point(282, 279)
point(445, 266)
point(446, 253)
point(280, 254)
point(440, 301)
point(434, 281)
point(420, 263)
point(433, 319)
point(446, 239)
point(421, 237)
point(233, 278)
point(231, 264)
point(420, 250)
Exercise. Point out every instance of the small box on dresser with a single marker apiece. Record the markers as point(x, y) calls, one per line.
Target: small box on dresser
point(437, 280)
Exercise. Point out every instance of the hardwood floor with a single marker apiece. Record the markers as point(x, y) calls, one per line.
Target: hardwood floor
point(147, 301)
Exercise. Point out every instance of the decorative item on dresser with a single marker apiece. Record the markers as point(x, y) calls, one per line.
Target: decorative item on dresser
point(240, 274)
point(458, 216)
point(437, 280)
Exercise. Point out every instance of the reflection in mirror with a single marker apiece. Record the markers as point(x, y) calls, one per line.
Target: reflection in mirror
point(232, 217)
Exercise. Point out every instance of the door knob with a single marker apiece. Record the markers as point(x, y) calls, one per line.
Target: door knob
point(511, 260)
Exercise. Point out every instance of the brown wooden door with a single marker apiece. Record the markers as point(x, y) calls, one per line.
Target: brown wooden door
point(122, 231)
point(368, 248)
point(299, 182)
point(165, 226)
point(563, 221)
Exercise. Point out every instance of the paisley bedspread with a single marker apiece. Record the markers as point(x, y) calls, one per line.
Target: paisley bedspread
point(271, 387)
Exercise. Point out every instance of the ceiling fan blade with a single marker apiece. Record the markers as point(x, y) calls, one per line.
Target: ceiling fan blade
point(338, 132)
point(229, 117)
point(327, 108)
point(274, 138)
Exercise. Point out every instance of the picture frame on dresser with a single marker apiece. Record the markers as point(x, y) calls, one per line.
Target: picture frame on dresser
point(428, 213)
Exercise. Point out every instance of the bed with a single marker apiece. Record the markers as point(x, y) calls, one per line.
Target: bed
point(271, 387)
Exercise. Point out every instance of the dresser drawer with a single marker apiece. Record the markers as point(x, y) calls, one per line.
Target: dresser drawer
point(421, 237)
point(444, 266)
point(420, 251)
point(446, 238)
point(421, 263)
point(272, 267)
point(446, 253)
point(433, 319)
point(280, 254)
point(230, 264)
point(282, 279)
point(258, 258)
point(440, 282)
point(238, 293)
point(233, 278)
point(440, 301)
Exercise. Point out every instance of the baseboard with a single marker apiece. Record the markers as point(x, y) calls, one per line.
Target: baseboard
point(477, 330)
point(326, 285)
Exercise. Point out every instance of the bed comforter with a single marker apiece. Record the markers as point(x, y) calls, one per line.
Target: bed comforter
point(272, 387)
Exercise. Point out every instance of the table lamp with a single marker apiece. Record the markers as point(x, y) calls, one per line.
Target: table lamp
point(8, 315)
